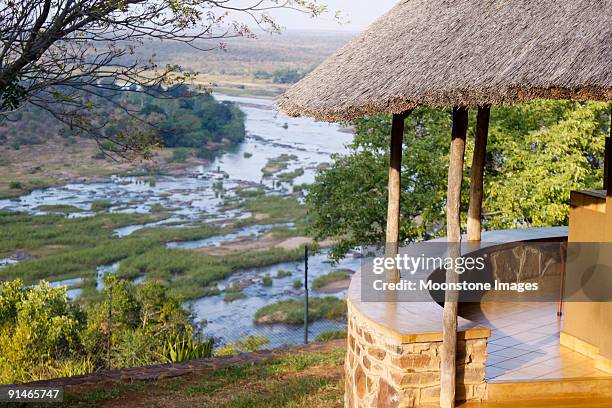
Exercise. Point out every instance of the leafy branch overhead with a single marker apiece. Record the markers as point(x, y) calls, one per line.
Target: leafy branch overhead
point(60, 55)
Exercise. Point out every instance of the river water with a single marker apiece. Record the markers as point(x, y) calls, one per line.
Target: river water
point(192, 198)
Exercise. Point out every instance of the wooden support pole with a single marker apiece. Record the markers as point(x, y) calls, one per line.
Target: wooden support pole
point(394, 187)
point(453, 222)
point(608, 155)
point(477, 174)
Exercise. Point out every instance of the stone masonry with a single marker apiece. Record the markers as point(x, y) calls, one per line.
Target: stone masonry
point(383, 370)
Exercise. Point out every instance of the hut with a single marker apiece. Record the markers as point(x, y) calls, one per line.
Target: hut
point(464, 54)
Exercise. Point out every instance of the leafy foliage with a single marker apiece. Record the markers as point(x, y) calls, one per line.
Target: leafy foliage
point(43, 334)
point(244, 345)
point(538, 152)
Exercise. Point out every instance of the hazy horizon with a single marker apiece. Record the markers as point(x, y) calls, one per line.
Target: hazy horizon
point(356, 14)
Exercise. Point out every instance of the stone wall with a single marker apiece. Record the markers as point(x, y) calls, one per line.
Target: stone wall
point(386, 370)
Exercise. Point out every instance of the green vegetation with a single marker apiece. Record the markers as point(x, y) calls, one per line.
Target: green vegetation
point(331, 335)
point(58, 208)
point(280, 274)
point(291, 175)
point(292, 311)
point(266, 281)
point(180, 155)
point(44, 335)
point(169, 234)
point(15, 185)
point(190, 273)
point(297, 284)
point(281, 76)
point(276, 208)
point(287, 76)
point(245, 345)
point(250, 192)
point(231, 296)
point(537, 153)
point(234, 292)
point(194, 120)
point(100, 205)
point(277, 164)
point(183, 347)
point(297, 380)
point(334, 276)
point(67, 248)
point(174, 118)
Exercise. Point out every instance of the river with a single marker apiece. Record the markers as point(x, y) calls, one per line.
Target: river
point(192, 198)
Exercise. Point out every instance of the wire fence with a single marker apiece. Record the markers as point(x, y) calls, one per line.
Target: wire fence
point(310, 326)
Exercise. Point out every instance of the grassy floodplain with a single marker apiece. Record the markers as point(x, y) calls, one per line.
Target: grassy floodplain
point(62, 248)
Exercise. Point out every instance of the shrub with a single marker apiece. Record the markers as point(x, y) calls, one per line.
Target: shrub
point(297, 284)
point(266, 280)
point(15, 185)
point(280, 274)
point(179, 155)
point(184, 348)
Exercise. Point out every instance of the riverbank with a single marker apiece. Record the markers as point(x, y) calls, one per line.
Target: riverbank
point(199, 228)
point(55, 163)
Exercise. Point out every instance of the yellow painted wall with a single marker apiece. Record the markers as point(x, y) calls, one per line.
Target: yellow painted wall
point(589, 322)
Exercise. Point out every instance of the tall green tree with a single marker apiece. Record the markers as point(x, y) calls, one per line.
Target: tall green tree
point(538, 152)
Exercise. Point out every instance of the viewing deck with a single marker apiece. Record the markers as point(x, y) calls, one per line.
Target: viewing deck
point(522, 338)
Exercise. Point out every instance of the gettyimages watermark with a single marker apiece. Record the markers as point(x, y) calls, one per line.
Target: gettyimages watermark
point(534, 271)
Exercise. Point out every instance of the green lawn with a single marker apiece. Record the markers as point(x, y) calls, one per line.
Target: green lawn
point(295, 380)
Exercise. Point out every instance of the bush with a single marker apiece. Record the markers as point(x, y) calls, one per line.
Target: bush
point(179, 156)
point(297, 284)
point(184, 348)
point(45, 335)
point(280, 274)
point(40, 329)
point(266, 280)
point(15, 185)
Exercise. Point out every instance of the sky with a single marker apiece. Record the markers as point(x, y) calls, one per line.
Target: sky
point(359, 13)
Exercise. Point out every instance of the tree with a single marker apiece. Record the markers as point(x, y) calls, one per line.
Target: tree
point(560, 143)
point(60, 54)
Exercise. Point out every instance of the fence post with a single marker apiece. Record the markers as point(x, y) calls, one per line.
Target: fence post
point(305, 294)
point(110, 326)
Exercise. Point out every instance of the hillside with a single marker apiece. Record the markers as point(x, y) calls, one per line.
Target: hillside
point(39, 151)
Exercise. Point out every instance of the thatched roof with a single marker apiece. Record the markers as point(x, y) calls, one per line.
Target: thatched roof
point(463, 52)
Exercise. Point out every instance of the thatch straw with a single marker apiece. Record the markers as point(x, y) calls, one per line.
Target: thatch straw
point(463, 53)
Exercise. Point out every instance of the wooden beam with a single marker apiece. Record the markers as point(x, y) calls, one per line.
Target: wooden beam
point(453, 223)
point(394, 188)
point(477, 174)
